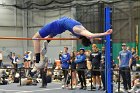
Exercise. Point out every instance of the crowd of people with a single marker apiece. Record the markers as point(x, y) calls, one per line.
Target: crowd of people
point(92, 61)
point(11, 73)
point(79, 68)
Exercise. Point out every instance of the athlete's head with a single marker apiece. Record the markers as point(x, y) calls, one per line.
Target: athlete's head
point(85, 41)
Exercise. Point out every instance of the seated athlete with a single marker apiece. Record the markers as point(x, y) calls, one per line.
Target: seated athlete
point(57, 27)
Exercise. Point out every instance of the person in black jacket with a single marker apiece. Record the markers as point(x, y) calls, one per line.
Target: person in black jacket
point(95, 58)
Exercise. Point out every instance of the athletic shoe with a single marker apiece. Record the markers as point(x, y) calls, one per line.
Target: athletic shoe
point(63, 86)
point(43, 87)
point(99, 88)
point(84, 88)
point(94, 88)
point(35, 68)
point(103, 89)
point(39, 65)
point(74, 86)
point(81, 87)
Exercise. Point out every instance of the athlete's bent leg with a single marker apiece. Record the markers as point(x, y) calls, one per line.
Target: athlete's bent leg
point(40, 55)
point(36, 44)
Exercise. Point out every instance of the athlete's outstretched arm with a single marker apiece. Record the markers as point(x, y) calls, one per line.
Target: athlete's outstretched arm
point(84, 32)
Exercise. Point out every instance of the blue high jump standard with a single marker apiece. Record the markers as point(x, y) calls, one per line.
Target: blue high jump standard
point(108, 53)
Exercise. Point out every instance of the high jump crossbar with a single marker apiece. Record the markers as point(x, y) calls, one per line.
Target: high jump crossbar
point(24, 38)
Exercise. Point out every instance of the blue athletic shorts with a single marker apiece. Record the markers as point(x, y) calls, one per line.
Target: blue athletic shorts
point(58, 26)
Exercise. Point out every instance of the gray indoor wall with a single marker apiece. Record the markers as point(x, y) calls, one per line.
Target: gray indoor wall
point(22, 23)
point(10, 26)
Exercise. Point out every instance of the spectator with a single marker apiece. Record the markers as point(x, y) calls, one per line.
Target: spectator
point(29, 58)
point(89, 66)
point(128, 48)
point(65, 59)
point(43, 73)
point(26, 81)
point(28, 64)
point(95, 58)
point(57, 70)
point(14, 60)
point(73, 67)
point(10, 79)
point(25, 59)
point(135, 77)
point(125, 61)
point(33, 61)
point(3, 75)
point(137, 58)
point(136, 84)
point(102, 66)
point(1, 58)
point(133, 65)
point(81, 66)
point(25, 62)
point(60, 55)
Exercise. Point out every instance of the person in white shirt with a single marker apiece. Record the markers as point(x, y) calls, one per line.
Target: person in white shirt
point(29, 58)
point(14, 60)
point(28, 62)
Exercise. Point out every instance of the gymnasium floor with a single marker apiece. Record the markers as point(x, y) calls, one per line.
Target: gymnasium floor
point(53, 87)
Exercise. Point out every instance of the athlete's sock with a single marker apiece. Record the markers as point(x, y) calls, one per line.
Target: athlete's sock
point(37, 57)
point(48, 41)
